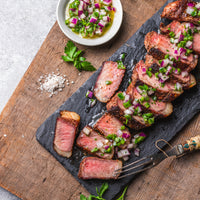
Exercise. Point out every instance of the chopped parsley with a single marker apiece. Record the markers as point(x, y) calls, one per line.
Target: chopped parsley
point(127, 104)
point(121, 96)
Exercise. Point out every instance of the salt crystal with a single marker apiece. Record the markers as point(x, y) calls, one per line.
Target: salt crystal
point(79, 74)
point(5, 135)
point(72, 82)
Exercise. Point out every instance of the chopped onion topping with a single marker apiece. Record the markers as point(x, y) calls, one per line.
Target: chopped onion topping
point(130, 146)
point(189, 10)
point(119, 132)
point(184, 74)
point(128, 112)
point(86, 131)
point(125, 135)
point(137, 152)
point(99, 144)
point(191, 4)
point(125, 158)
point(142, 134)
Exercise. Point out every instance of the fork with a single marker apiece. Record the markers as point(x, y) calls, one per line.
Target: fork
point(146, 163)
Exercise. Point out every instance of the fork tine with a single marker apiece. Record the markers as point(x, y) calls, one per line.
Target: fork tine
point(142, 164)
point(133, 163)
point(136, 172)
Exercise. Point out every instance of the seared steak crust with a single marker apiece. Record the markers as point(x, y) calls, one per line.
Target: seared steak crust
point(159, 45)
point(176, 11)
point(115, 107)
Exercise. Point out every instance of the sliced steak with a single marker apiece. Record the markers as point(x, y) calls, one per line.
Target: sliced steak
point(66, 129)
point(184, 78)
point(97, 168)
point(159, 46)
point(108, 81)
point(116, 107)
point(179, 28)
point(178, 11)
point(166, 92)
point(109, 125)
point(94, 143)
point(158, 108)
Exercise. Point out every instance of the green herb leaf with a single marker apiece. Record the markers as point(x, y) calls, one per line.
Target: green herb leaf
point(70, 49)
point(87, 66)
point(82, 197)
point(72, 55)
point(122, 197)
point(95, 150)
point(108, 82)
point(103, 188)
point(121, 96)
point(67, 59)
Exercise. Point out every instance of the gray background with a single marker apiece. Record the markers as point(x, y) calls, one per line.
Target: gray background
point(24, 25)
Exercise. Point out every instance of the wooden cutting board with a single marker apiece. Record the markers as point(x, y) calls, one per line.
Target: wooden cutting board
point(30, 172)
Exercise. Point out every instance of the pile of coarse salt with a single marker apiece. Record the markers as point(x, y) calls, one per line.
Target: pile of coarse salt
point(52, 83)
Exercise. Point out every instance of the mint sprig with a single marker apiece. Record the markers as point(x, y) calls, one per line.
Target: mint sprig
point(75, 56)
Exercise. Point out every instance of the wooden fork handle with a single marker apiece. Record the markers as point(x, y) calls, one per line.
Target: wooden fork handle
point(192, 144)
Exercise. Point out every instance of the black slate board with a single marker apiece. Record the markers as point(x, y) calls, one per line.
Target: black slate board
point(185, 107)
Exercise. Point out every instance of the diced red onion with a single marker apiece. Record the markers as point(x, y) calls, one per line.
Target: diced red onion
point(128, 112)
point(142, 134)
point(189, 10)
point(150, 92)
point(169, 68)
point(81, 6)
point(181, 38)
point(90, 94)
point(74, 21)
point(174, 64)
point(176, 71)
point(73, 9)
point(162, 63)
point(184, 74)
point(99, 31)
point(93, 20)
point(82, 16)
point(125, 135)
point(176, 51)
point(126, 158)
point(139, 90)
point(175, 41)
point(87, 1)
point(97, 5)
point(191, 4)
point(90, 10)
point(80, 12)
point(178, 35)
point(114, 9)
point(130, 146)
point(124, 152)
point(127, 97)
point(196, 56)
point(102, 12)
point(191, 25)
point(135, 102)
point(137, 152)
point(106, 147)
point(119, 133)
point(163, 77)
point(178, 86)
point(189, 44)
point(102, 23)
point(107, 2)
point(119, 154)
point(86, 131)
point(198, 6)
point(109, 8)
point(131, 109)
point(182, 50)
point(106, 19)
point(72, 25)
point(99, 144)
point(139, 109)
point(136, 136)
point(93, 103)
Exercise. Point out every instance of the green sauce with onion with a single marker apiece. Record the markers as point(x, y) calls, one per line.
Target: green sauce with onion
point(90, 18)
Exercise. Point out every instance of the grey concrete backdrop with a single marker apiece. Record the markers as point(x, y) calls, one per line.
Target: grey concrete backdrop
point(24, 24)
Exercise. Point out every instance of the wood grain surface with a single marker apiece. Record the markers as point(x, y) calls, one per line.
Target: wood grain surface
point(30, 172)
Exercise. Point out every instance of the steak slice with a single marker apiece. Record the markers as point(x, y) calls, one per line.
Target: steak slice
point(115, 106)
point(184, 78)
point(177, 11)
point(159, 46)
point(158, 108)
point(179, 28)
point(108, 81)
point(109, 125)
point(97, 168)
point(166, 92)
point(94, 143)
point(66, 129)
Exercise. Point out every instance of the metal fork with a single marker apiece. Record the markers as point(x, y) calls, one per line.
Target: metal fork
point(146, 163)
